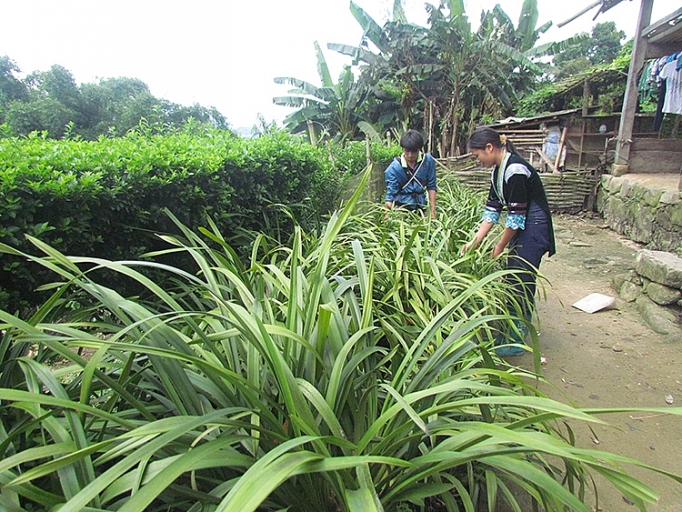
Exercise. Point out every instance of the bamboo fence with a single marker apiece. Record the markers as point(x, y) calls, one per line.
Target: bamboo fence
point(566, 191)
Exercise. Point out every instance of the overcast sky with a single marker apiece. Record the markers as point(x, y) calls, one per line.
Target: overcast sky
point(225, 53)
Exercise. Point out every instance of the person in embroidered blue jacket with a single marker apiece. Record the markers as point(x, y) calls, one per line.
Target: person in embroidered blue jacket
point(528, 231)
point(410, 177)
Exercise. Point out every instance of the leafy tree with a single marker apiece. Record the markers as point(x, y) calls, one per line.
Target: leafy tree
point(601, 48)
point(106, 104)
point(59, 84)
point(446, 77)
point(391, 101)
point(42, 114)
point(607, 82)
point(11, 87)
point(335, 108)
point(52, 102)
point(177, 114)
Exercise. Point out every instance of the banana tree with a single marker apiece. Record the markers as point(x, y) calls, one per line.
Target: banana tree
point(392, 104)
point(446, 77)
point(333, 108)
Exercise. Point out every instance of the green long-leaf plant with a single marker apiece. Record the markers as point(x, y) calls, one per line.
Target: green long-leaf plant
point(349, 370)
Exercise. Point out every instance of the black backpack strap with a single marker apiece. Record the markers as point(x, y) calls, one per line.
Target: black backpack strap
point(412, 176)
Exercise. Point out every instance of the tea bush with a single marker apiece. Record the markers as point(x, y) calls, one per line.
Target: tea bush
point(105, 198)
point(351, 158)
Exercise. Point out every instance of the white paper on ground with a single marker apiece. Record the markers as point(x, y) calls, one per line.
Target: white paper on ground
point(594, 302)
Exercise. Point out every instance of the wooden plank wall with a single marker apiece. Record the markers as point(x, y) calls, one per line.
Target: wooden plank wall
point(655, 155)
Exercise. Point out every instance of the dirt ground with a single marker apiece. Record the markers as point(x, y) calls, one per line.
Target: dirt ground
point(610, 358)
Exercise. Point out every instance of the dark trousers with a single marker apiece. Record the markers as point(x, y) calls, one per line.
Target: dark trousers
point(658, 118)
point(413, 207)
point(526, 250)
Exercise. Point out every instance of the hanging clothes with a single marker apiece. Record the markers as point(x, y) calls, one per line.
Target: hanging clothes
point(648, 81)
point(673, 92)
point(658, 117)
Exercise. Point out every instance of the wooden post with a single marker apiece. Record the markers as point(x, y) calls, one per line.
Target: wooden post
point(624, 140)
point(586, 98)
point(582, 143)
point(368, 149)
point(311, 133)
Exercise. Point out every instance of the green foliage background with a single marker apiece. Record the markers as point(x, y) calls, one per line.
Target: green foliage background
point(51, 101)
point(105, 198)
point(350, 158)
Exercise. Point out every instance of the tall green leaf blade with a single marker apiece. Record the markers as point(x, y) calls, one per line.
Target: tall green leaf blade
point(266, 475)
point(322, 67)
point(363, 499)
point(370, 28)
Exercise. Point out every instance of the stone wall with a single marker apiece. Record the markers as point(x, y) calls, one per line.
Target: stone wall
point(655, 286)
point(643, 213)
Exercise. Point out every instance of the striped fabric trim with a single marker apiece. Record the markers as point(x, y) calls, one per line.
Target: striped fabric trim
point(515, 168)
point(517, 208)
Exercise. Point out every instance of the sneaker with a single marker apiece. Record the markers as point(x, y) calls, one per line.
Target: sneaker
point(508, 346)
point(510, 351)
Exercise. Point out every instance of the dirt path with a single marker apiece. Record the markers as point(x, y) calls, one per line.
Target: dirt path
point(610, 358)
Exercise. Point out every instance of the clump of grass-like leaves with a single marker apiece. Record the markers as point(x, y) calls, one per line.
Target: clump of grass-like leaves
point(346, 371)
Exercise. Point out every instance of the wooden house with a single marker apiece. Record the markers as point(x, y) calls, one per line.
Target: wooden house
point(572, 148)
point(584, 139)
point(635, 153)
point(622, 142)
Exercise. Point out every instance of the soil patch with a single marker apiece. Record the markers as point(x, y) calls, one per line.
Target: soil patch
point(609, 359)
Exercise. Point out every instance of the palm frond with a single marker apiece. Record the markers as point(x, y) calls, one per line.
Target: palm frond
point(304, 86)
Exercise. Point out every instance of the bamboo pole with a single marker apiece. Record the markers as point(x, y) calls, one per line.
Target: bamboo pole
point(546, 159)
point(430, 125)
point(586, 9)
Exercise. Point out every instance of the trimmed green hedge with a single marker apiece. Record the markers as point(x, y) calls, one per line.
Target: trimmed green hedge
point(107, 198)
point(351, 158)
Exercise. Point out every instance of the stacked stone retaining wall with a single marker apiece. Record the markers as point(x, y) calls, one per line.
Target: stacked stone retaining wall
point(655, 286)
point(643, 213)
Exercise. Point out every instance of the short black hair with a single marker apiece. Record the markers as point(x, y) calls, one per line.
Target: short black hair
point(412, 140)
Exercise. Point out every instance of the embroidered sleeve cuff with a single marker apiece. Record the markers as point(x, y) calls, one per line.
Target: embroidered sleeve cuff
point(515, 221)
point(491, 216)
